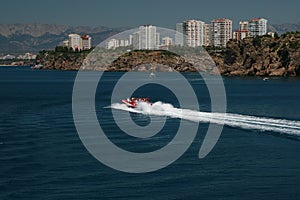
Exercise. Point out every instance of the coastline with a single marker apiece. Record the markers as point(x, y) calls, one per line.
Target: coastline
point(262, 56)
point(15, 65)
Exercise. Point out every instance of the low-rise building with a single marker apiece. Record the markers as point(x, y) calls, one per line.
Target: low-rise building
point(9, 57)
point(272, 34)
point(167, 41)
point(112, 44)
point(240, 34)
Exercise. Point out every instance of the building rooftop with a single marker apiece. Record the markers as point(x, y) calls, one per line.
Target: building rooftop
point(85, 37)
point(221, 20)
point(255, 19)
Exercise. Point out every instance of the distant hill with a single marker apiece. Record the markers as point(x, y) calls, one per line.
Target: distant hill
point(287, 27)
point(20, 38)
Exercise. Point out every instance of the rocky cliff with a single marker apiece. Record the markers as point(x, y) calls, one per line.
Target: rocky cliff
point(260, 56)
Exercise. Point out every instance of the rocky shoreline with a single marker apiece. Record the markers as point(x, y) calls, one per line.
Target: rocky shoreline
point(260, 56)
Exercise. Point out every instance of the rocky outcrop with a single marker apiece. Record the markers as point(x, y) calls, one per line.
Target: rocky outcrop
point(261, 56)
point(53, 60)
point(146, 60)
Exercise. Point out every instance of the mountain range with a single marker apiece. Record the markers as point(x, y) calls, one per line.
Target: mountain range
point(20, 38)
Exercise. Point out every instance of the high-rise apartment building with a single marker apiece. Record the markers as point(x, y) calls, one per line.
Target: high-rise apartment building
point(194, 32)
point(244, 25)
point(86, 42)
point(240, 34)
point(257, 27)
point(146, 38)
point(207, 35)
point(190, 33)
point(221, 32)
point(179, 37)
point(78, 42)
point(75, 42)
point(167, 41)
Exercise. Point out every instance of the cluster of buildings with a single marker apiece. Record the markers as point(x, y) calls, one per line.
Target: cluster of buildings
point(79, 42)
point(146, 37)
point(26, 56)
point(219, 31)
point(252, 28)
point(193, 33)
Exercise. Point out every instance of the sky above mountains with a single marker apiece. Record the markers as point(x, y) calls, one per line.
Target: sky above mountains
point(132, 13)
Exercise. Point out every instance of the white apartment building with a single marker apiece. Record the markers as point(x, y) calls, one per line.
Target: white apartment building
point(221, 32)
point(194, 32)
point(167, 41)
point(257, 27)
point(244, 25)
point(146, 38)
point(179, 37)
point(123, 42)
point(112, 44)
point(75, 42)
point(207, 35)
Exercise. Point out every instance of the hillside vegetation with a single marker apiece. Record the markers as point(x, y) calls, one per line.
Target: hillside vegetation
point(260, 56)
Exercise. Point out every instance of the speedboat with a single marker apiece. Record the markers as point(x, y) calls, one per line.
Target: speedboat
point(133, 102)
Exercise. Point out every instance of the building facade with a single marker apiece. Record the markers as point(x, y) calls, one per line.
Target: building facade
point(240, 34)
point(207, 35)
point(146, 38)
point(167, 41)
point(221, 32)
point(86, 42)
point(78, 42)
point(179, 37)
point(244, 25)
point(194, 32)
point(112, 44)
point(257, 27)
point(75, 42)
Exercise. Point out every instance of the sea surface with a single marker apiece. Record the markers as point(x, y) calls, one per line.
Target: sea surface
point(42, 156)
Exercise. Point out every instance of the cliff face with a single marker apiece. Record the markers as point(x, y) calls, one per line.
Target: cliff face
point(143, 60)
point(60, 60)
point(158, 60)
point(261, 56)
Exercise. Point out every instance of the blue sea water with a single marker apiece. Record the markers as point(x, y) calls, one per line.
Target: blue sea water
point(42, 157)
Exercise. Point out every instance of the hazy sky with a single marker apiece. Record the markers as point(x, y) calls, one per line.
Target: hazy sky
point(164, 13)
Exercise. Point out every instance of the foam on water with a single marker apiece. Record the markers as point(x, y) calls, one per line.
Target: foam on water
point(284, 126)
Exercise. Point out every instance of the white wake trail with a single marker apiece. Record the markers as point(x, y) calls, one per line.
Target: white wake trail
point(233, 120)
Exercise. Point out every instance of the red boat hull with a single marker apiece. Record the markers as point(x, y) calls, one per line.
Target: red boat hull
point(133, 102)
